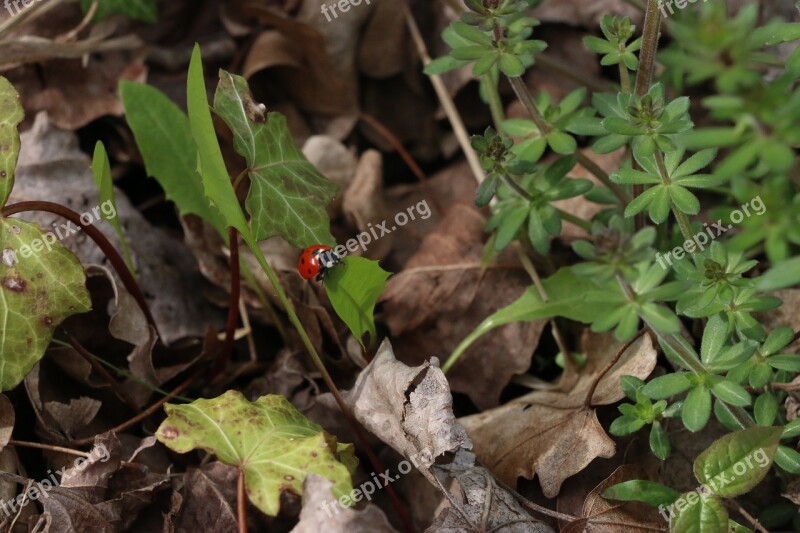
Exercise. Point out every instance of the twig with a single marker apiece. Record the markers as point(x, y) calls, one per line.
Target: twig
point(233, 304)
point(533, 506)
point(447, 102)
point(105, 374)
point(587, 403)
point(756, 524)
point(116, 260)
point(49, 447)
point(147, 412)
point(85, 22)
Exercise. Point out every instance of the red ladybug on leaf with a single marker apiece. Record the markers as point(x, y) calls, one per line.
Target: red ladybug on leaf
point(317, 260)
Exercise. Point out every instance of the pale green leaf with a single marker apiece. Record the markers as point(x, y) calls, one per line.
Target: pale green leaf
point(699, 514)
point(11, 114)
point(273, 444)
point(101, 170)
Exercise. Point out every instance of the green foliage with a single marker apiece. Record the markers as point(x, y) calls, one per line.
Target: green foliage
point(274, 445)
point(145, 10)
point(638, 490)
point(288, 196)
point(615, 47)
point(101, 170)
point(353, 288)
point(41, 282)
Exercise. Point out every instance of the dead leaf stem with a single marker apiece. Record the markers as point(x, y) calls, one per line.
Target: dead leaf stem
point(587, 403)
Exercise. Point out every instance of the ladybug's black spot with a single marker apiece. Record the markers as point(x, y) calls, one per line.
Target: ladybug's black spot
point(302, 261)
point(310, 271)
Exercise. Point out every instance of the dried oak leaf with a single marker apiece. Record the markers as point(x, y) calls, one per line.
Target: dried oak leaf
point(409, 408)
point(208, 499)
point(321, 513)
point(444, 292)
point(552, 433)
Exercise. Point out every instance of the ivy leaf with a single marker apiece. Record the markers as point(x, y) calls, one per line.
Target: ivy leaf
point(353, 288)
point(268, 440)
point(145, 10)
point(11, 114)
point(41, 284)
point(737, 462)
point(101, 170)
point(165, 140)
point(288, 196)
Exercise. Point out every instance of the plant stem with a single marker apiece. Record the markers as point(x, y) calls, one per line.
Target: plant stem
point(644, 76)
point(489, 86)
point(624, 75)
point(516, 187)
point(241, 502)
point(680, 216)
point(526, 99)
point(125, 275)
point(50, 447)
point(233, 304)
point(583, 224)
point(100, 369)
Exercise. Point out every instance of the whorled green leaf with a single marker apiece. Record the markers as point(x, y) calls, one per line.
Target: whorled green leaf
point(145, 10)
point(288, 196)
point(101, 170)
point(41, 284)
point(272, 443)
point(698, 514)
point(164, 138)
point(737, 462)
point(11, 114)
point(353, 288)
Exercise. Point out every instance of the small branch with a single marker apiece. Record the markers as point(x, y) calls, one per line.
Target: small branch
point(447, 102)
point(755, 523)
point(125, 275)
point(535, 507)
point(144, 414)
point(85, 22)
point(587, 403)
point(105, 374)
point(241, 502)
point(49, 447)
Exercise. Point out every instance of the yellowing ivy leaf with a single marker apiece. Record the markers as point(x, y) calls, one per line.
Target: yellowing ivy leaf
point(288, 196)
point(41, 284)
point(269, 440)
point(11, 115)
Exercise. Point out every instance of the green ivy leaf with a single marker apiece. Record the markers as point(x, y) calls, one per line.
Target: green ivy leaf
point(737, 462)
point(288, 196)
point(353, 288)
point(101, 170)
point(145, 10)
point(701, 514)
point(274, 445)
point(11, 114)
point(41, 284)
point(164, 138)
point(641, 490)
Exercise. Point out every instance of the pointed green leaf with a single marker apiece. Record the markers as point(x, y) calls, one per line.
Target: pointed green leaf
point(101, 170)
point(641, 490)
point(353, 288)
point(41, 284)
point(164, 138)
point(274, 445)
point(737, 462)
point(11, 115)
point(700, 513)
point(288, 196)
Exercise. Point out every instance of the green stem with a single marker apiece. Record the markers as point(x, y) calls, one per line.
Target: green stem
point(517, 188)
point(489, 85)
point(680, 216)
point(526, 99)
point(624, 75)
point(583, 224)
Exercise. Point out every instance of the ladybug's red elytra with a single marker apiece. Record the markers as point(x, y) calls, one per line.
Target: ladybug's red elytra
point(316, 260)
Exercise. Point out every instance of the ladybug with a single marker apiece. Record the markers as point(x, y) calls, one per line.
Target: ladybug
point(316, 260)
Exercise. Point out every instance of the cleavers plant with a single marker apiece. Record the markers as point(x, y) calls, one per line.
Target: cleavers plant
point(680, 176)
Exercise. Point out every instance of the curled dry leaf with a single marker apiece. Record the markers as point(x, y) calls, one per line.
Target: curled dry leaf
point(444, 293)
point(321, 513)
point(551, 433)
point(409, 408)
point(484, 504)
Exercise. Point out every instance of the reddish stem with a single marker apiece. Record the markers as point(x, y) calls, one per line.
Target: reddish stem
point(233, 304)
point(116, 260)
point(587, 403)
point(241, 503)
